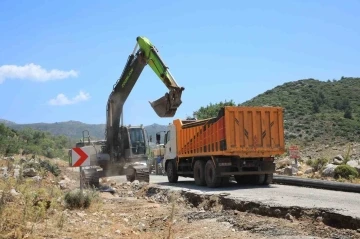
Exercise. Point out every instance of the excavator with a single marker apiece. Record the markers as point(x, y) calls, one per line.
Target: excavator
point(125, 148)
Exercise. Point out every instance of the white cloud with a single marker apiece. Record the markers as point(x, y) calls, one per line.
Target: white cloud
point(62, 99)
point(33, 72)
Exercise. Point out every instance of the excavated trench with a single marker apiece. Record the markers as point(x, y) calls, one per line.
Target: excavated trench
point(213, 203)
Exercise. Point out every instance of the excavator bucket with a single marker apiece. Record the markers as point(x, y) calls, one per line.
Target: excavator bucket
point(167, 105)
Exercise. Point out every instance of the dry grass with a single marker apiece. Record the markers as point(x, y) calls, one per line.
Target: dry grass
point(25, 203)
point(30, 207)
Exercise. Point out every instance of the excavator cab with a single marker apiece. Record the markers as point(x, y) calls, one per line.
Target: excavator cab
point(137, 141)
point(167, 105)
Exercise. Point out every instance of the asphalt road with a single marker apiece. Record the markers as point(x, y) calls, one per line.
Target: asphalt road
point(345, 203)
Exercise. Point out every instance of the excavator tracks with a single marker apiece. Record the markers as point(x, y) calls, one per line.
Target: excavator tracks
point(140, 174)
point(90, 178)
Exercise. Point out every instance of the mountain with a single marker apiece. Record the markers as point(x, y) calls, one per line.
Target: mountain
point(315, 111)
point(322, 111)
point(74, 129)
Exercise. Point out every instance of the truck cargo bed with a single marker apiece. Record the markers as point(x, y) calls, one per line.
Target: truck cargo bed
point(240, 131)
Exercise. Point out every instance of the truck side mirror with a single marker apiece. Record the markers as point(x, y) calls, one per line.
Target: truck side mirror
point(158, 138)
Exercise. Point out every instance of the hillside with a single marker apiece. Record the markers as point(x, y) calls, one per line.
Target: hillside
point(29, 141)
point(326, 112)
point(74, 129)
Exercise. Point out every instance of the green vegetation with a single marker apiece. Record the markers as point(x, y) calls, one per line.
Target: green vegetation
point(315, 111)
point(71, 129)
point(74, 129)
point(317, 164)
point(346, 171)
point(76, 199)
point(30, 141)
point(212, 110)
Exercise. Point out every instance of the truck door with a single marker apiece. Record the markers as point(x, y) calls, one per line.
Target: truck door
point(170, 143)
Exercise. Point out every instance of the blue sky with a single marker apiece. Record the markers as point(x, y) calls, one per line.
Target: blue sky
point(217, 50)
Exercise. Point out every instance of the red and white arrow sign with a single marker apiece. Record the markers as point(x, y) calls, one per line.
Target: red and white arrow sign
point(80, 157)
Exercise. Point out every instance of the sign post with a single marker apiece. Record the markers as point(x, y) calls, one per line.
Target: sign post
point(294, 154)
point(80, 158)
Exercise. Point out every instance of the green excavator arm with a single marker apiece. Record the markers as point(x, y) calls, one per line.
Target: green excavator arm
point(167, 105)
point(156, 63)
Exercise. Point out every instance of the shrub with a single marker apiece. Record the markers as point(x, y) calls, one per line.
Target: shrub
point(346, 171)
point(319, 163)
point(53, 168)
point(75, 199)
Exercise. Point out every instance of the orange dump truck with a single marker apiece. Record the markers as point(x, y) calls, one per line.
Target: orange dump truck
point(240, 142)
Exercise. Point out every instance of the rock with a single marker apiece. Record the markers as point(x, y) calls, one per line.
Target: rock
point(309, 171)
point(288, 171)
point(16, 173)
point(14, 193)
point(29, 172)
point(280, 171)
point(36, 178)
point(338, 159)
point(81, 214)
point(11, 159)
point(3, 172)
point(353, 163)
point(289, 217)
point(118, 232)
point(136, 182)
point(277, 212)
point(329, 170)
point(299, 173)
point(294, 169)
point(283, 163)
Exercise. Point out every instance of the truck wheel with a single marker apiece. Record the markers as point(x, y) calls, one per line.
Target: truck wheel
point(171, 172)
point(261, 179)
point(199, 176)
point(211, 179)
point(268, 179)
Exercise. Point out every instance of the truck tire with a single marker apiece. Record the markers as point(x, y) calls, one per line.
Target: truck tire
point(212, 181)
point(171, 172)
point(199, 174)
point(268, 179)
point(260, 179)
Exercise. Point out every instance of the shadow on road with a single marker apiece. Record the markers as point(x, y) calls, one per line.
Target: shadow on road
point(231, 186)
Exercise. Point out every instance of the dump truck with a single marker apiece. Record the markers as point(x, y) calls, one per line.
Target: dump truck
point(241, 142)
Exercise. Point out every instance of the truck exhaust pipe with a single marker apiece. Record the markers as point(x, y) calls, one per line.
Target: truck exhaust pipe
point(167, 105)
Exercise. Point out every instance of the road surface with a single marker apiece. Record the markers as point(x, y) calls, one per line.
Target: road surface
point(344, 203)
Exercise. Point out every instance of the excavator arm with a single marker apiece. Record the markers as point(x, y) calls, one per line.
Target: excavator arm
point(167, 105)
point(145, 53)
